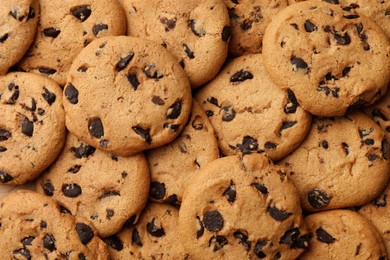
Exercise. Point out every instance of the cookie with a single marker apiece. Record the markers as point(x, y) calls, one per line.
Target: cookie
point(343, 162)
point(242, 208)
point(173, 165)
point(65, 28)
point(248, 20)
point(343, 234)
point(250, 113)
point(32, 127)
point(197, 32)
point(18, 24)
point(33, 227)
point(155, 236)
point(5, 190)
point(101, 187)
point(332, 59)
point(125, 95)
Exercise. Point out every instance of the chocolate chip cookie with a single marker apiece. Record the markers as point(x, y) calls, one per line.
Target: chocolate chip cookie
point(32, 126)
point(195, 31)
point(343, 162)
point(18, 24)
point(125, 95)
point(250, 113)
point(333, 59)
point(104, 188)
point(173, 165)
point(155, 236)
point(65, 28)
point(343, 234)
point(242, 208)
point(33, 227)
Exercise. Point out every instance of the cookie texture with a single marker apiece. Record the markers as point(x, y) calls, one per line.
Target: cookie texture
point(155, 236)
point(173, 165)
point(343, 162)
point(248, 20)
point(250, 113)
point(242, 208)
point(33, 227)
point(197, 32)
point(101, 187)
point(18, 24)
point(32, 126)
point(65, 28)
point(125, 95)
point(332, 59)
point(343, 234)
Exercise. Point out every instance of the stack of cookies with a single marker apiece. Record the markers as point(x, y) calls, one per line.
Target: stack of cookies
point(177, 129)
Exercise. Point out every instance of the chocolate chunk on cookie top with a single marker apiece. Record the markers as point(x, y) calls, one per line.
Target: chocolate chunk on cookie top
point(125, 95)
point(197, 32)
point(343, 162)
point(333, 59)
point(242, 207)
point(32, 126)
point(96, 185)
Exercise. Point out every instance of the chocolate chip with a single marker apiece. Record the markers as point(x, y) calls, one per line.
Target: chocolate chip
point(385, 148)
point(173, 200)
point(14, 14)
point(109, 213)
point(301, 242)
point(158, 101)
point(218, 242)
point(48, 188)
point(196, 124)
point(342, 39)
point(49, 96)
point(324, 236)
point(130, 222)
point(260, 187)
point(278, 214)
point(299, 64)
point(31, 13)
point(379, 114)
point(81, 12)
point(85, 233)
point(33, 106)
point(260, 244)
point(4, 135)
point(241, 76)
point(310, 26)
point(157, 190)
point(182, 64)
point(51, 32)
point(154, 230)
point(345, 148)
point(372, 157)
point(2, 149)
point(351, 7)
point(27, 241)
point(49, 242)
point(191, 24)
point(242, 239)
point(132, 78)
point(200, 230)
point(95, 127)
point(82, 256)
point(74, 169)
point(169, 23)
point(369, 141)
point(318, 199)
point(209, 113)
point(380, 201)
point(110, 194)
point(4, 37)
point(351, 16)
point(151, 72)
point(213, 221)
point(387, 13)
point(290, 236)
point(43, 224)
point(248, 145)
point(23, 252)
point(103, 143)
point(213, 100)
point(41, 111)
point(123, 62)
point(228, 113)
point(114, 242)
point(226, 33)
point(189, 53)
point(230, 192)
point(292, 104)
point(82, 69)
point(246, 25)
point(124, 174)
point(143, 133)
point(135, 238)
point(98, 28)
point(270, 146)
point(174, 110)
point(27, 127)
point(325, 144)
point(72, 94)
point(82, 151)
point(47, 71)
point(15, 94)
point(357, 250)
point(65, 210)
point(327, 91)
point(71, 190)
point(286, 125)
point(232, 14)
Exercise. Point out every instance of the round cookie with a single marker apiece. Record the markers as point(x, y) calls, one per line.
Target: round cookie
point(173, 165)
point(18, 24)
point(5, 190)
point(248, 20)
point(65, 28)
point(155, 236)
point(342, 163)
point(343, 234)
point(333, 60)
point(104, 188)
point(195, 31)
point(242, 208)
point(33, 227)
point(250, 113)
point(125, 95)
point(32, 127)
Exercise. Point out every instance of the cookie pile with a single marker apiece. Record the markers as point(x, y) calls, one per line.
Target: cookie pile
point(173, 129)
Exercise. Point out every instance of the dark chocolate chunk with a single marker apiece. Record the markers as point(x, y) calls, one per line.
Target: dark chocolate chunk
point(174, 110)
point(110, 194)
point(246, 24)
point(157, 190)
point(103, 143)
point(325, 144)
point(369, 141)
point(65, 210)
point(81, 12)
point(4, 135)
point(95, 127)
point(318, 199)
point(130, 222)
point(2, 149)
point(82, 256)
point(286, 125)
point(380, 201)
point(49, 242)
point(27, 240)
point(47, 71)
point(31, 13)
point(228, 113)
point(334, 91)
point(72, 94)
point(135, 238)
point(98, 28)
point(49, 96)
point(48, 188)
point(385, 148)
point(169, 23)
point(301, 242)
point(23, 252)
point(85, 233)
point(292, 104)
point(213, 221)
point(191, 24)
point(372, 157)
point(173, 200)
point(387, 13)
point(310, 26)
point(346, 71)
point(27, 127)
point(74, 169)
point(218, 242)
point(123, 62)
point(242, 239)
point(240, 76)
point(324, 236)
point(345, 148)
point(278, 214)
point(188, 51)
point(209, 113)
point(226, 33)
point(33, 106)
point(351, 16)
point(377, 113)
point(342, 39)
point(295, 26)
point(350, 7)
point(230, 192)
point(213, 100)
point(232, 14)
point(109, 213)
point(4, 37)
point(260, 187)
point(357, 250)
point(41, 111)
point(158, 101)
point(258, 250)
point(82, 69)
point(200, 230)
point(71, 190)
point(154, 230)
point(182, 64)
point(270, 145)
point(144, 133)
point(82, 151)
point(15, 94)
point(248, 145)
point(114, 242)
point(51, 32)
point(43, 224)
point(299, 64)
point(151, 72)
point(290, 236)
point(132, 78)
